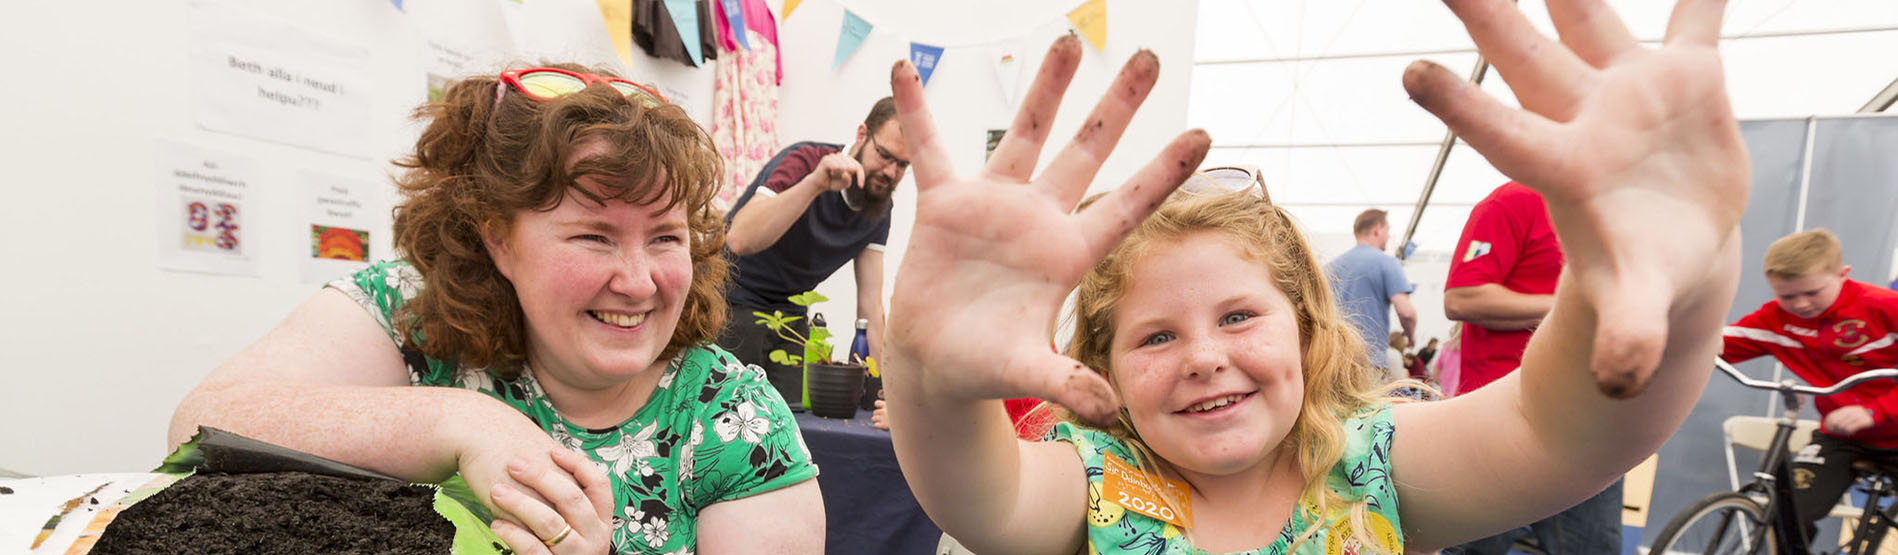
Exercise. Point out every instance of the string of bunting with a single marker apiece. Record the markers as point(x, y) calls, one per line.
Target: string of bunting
point(1088, 19)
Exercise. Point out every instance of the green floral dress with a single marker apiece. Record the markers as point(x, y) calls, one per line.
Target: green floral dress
point(1362, 473)
point(713, 431)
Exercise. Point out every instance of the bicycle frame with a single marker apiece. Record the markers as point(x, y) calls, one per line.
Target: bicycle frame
point(1772, 477)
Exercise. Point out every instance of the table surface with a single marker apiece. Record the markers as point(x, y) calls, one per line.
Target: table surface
point(868, 506)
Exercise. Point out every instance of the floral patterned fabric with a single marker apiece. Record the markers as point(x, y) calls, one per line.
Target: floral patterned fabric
point(714, 429)
point(745, 100)
point(1362, 473)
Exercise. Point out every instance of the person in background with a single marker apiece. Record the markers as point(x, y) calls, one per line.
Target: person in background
point(545, 335)
point(1448, 362)
point(1501, 285)
point(1825, 326)
point(1428, 352)
point(812, 208)
point(1370, 284)
point(1396, 367)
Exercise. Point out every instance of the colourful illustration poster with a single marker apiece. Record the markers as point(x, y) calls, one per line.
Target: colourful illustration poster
point(204, 207)
point(338, 216)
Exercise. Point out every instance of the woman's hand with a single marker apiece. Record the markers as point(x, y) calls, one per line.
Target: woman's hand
point(994, 252)
point(1635, 151)
point(538, 489)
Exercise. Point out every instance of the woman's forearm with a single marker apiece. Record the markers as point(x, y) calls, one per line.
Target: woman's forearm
point(413, 433)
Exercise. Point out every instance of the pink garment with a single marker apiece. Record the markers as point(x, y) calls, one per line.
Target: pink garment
point(1448, 362)
point(758, 20)
point(745, 100)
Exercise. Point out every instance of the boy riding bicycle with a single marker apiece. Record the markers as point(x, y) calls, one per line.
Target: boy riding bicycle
point(1825, 327)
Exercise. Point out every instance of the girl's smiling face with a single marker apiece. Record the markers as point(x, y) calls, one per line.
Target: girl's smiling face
point(1206, 355)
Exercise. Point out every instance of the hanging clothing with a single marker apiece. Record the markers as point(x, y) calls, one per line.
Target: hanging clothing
point(654, 32)
point(745, 98)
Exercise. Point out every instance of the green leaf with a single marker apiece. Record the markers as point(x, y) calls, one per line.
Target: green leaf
point(184, 461)
point(807, 298)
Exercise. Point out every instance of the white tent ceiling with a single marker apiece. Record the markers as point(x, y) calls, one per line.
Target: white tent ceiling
point(1309, 91)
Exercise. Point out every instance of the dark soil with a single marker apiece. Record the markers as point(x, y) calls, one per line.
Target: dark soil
point(288, 512)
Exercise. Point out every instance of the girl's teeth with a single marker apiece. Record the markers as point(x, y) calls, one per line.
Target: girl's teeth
point(1215, 403)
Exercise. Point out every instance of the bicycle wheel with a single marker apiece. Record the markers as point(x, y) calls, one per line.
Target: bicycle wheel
point(1722, 524)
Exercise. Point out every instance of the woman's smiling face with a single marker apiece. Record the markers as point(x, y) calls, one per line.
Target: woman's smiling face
point(602, 285)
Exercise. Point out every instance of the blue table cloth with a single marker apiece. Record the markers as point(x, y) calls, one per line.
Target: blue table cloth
point(868, 505)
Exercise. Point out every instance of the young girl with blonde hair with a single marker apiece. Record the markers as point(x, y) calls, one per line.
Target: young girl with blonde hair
point(1230, 408)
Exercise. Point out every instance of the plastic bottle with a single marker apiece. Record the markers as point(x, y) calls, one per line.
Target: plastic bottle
point(860, 347)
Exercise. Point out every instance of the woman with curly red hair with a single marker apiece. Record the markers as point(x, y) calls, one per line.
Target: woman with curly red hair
point(560, 282)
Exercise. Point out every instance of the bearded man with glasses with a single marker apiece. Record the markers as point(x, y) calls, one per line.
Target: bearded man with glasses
point(812, 208)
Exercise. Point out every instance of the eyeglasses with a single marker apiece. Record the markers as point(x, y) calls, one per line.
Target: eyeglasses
point(900, 163)
point(546, 83)
point(1226, 179)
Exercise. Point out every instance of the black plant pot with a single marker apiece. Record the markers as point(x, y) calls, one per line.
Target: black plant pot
point(835, 388)
point(872, 390)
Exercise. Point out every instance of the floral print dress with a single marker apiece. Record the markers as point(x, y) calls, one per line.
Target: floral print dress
point(1362, 473)
point(714, 430)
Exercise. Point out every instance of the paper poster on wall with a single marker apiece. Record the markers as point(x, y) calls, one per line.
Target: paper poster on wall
point(269, 79)
point(459, 39)
point(334, 230)
point(204, 210)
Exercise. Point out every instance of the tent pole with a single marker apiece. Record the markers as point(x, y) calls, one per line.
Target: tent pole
point(1882, 100)
point(1436, 168)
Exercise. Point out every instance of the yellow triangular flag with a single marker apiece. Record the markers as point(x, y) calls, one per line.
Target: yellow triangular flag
point(1091, 20)
point(618, 15)
point(788, 6)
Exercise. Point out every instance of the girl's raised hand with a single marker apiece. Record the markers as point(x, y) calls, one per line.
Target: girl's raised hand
point(1635, 151)
point(993, 253)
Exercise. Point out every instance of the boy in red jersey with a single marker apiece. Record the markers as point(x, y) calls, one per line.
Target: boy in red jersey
point(1826, 327)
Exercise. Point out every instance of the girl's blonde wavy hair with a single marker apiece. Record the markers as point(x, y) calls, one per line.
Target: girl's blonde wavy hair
point(1338, 379)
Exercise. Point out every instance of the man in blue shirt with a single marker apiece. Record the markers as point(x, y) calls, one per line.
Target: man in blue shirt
point(1370, 283)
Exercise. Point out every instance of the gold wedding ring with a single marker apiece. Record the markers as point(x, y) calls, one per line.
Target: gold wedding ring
point(558, 537)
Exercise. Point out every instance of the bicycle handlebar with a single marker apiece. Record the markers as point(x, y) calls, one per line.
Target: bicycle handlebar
point(1788, 386)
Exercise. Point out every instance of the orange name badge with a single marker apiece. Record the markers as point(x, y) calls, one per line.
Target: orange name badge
point(1133, 490)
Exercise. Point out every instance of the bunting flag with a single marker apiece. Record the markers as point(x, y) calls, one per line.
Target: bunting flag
point(1006, 59)
point(735, 17)
point(849, 37)
point(924, 57)
point(685, 18)
point(1091, 20)
point(618, 15)
point(398, 4)
point(788, 6)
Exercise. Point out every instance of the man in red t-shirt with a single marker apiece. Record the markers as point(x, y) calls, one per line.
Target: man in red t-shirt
point(1502, 282)
point(1826, 327)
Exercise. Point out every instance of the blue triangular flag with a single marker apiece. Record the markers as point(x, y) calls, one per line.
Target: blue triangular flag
point(924, 57)
point(735, 16)
point(685, 18)
point(398, 4)
point(849, 37)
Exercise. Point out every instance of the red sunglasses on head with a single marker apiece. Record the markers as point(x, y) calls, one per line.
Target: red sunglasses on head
point(546, 83)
